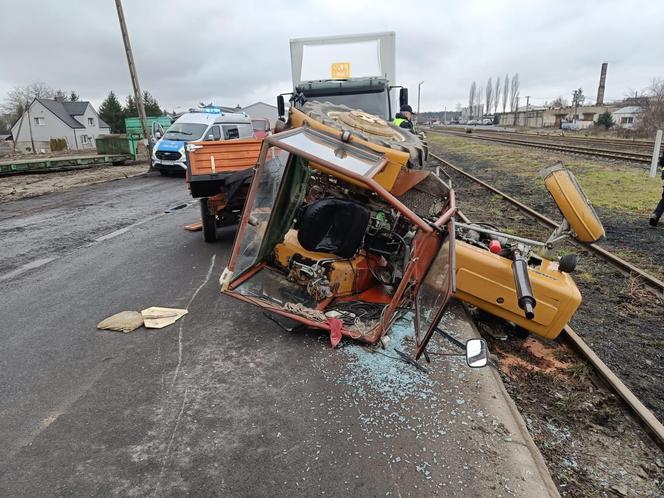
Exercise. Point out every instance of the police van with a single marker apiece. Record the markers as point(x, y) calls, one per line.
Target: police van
point(205, 124)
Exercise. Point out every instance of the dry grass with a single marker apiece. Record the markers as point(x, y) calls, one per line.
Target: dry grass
point(608, 184)
point(636, 297)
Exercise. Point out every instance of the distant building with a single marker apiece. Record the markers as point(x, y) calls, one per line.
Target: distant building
point(626, 117)
point(45, 119)
point(530, 117)
point(262, 110)
point(542, 117)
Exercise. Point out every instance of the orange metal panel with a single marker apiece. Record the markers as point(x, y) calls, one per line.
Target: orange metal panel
point(396, 160)
point(224, 156)
point(485, 280)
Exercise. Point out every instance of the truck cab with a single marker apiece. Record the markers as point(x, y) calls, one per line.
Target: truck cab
point(371, 94)
point(206, 124)
point(357, 71)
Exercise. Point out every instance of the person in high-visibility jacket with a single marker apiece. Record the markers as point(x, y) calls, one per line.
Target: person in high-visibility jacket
point(659, 210)
point(404, 119)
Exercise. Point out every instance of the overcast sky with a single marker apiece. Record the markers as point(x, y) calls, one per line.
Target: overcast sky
point(237, 52)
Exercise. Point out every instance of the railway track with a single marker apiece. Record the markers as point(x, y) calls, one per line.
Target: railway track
point(646, 417)
point(618, 142)
point(638, 153)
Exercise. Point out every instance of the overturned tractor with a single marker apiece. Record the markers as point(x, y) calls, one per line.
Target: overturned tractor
point(345, 230)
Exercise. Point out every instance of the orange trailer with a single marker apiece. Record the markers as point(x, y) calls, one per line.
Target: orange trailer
point(219, 173)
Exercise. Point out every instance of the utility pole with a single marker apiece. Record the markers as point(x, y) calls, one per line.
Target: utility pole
point(32, 140)
point(655, 153)
point(419, 85)
point(138, 96)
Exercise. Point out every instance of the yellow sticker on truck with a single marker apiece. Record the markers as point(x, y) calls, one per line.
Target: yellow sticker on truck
point(340, 70)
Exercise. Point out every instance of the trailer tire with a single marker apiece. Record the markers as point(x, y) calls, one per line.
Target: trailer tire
point(209, 222)
point(370, 128)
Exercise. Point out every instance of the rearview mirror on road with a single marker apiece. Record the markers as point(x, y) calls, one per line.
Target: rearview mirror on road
point(477, 353)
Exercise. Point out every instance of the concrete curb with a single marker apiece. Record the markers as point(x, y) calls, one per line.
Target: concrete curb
point(536, 455)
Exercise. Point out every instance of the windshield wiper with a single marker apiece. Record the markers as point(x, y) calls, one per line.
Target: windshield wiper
point(180, 133)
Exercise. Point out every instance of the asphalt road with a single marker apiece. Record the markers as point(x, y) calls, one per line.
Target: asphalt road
point(224, 402)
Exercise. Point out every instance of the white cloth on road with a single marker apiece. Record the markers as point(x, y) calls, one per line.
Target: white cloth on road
point(156, 317)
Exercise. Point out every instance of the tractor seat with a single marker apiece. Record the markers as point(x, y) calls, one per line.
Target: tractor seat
point(333, 225)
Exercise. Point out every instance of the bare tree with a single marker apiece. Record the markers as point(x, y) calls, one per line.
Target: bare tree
point(578, 98)
point(19, 98)
point(488, 96)
point(559, 101)
point(478, 102)
point(60, 96)
point(506, 90)
point(651, 117)
point(514, 93)
point(496, 95)
point(471, 98)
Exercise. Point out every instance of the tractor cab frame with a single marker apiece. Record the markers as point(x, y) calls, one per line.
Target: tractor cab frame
point(323, 243)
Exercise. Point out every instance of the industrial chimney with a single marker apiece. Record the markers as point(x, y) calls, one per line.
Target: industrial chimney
point(602, 84)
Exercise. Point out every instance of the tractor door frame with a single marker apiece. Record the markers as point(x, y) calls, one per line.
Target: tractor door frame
point(443, 262)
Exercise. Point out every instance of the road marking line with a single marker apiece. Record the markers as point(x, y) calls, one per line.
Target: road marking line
point(37, 263)
point(120, 231)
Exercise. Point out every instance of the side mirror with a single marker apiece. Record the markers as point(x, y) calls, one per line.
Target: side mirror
point(157, 134)
point(403, 96)
point(281, 106)
point(477, 353)
point(210, 137)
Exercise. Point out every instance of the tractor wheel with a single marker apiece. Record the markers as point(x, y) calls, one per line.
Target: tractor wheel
point(370, 128)
point(567, 263)
point(209, 222)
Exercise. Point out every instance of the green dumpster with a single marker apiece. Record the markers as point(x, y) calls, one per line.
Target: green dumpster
point(118, 144)
point(133, 125)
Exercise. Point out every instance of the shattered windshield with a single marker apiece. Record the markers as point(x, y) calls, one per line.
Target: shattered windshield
point(434, 292)
point(269, 179)
point(335, 152)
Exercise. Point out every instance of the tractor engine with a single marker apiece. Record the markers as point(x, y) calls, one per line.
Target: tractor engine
point(341, 246)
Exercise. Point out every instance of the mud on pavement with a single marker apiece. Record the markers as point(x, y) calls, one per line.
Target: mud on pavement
point(14, 187)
